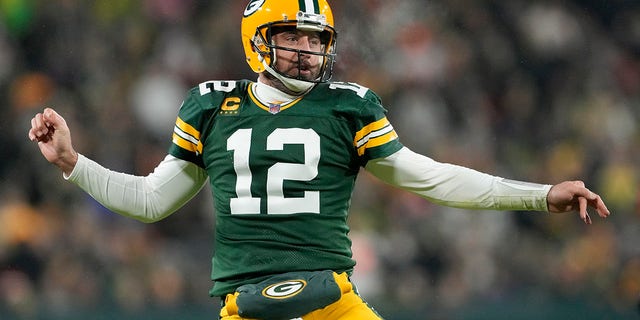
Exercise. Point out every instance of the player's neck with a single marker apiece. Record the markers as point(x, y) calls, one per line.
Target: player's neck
point(270, 95)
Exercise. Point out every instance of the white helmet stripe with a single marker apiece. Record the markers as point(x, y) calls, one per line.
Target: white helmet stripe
point(309, 6)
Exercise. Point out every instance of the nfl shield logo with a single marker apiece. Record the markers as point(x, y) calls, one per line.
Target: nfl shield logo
point(274, 108)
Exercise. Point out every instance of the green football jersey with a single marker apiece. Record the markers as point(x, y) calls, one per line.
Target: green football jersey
point(281, 175)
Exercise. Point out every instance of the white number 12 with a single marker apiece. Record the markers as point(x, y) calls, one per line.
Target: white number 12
point(277, 203)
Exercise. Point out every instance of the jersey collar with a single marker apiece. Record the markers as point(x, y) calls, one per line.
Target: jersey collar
point(271, 99)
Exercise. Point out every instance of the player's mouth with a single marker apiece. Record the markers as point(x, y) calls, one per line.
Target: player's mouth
point(305, 70)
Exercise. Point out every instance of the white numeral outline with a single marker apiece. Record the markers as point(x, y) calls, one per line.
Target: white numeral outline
point(244, 203)
point(358, 89)
point(224, 86)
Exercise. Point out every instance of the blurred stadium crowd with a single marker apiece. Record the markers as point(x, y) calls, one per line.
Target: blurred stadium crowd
point(532, 90)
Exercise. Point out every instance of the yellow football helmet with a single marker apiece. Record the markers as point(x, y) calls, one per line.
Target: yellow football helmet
point(261, 16)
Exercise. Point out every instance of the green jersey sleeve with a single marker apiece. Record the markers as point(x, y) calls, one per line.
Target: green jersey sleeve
point(195, 116)
point(374, 135)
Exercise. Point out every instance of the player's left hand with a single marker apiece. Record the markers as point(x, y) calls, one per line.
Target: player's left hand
point(570, 196)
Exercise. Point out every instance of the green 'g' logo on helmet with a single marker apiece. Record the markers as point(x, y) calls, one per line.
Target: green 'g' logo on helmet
point(252, 7)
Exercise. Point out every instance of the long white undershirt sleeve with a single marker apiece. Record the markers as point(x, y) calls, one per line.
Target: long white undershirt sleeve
point(146, 198)
point(457, 186)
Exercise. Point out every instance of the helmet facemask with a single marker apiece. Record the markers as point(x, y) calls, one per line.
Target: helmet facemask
point(263, 44)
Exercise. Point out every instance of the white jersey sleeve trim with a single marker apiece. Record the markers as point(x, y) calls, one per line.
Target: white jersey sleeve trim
point(457, 186)
point(146, 198)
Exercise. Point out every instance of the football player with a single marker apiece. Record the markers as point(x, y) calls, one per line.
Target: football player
point(282, 154)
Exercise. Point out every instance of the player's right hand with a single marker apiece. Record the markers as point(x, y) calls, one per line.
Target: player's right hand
point(52, 134)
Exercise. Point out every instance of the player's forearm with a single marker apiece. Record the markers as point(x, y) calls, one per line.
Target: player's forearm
point(148, 199)
point(457, 186)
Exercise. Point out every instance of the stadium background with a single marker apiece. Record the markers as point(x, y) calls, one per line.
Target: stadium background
point(533, 90)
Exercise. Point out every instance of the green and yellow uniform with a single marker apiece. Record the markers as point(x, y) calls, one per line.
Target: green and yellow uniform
point(281, 175)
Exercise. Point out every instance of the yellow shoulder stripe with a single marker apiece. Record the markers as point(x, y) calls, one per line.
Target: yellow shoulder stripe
point(187, 128)
point(187, 137)
point(373, 135)
point(377, 125)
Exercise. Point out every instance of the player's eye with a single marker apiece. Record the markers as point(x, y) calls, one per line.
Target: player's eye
point(315, 42)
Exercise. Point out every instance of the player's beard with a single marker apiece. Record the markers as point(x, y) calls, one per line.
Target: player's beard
point(303, 68)
point(300, 77)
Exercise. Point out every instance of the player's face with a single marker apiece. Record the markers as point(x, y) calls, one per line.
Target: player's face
point(295, 64)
